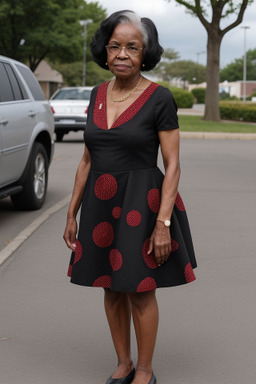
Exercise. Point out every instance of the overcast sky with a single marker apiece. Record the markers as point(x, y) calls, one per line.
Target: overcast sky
point(184, 33)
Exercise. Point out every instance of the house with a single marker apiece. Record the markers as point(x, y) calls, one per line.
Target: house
point(234, 88)
point(49, 79)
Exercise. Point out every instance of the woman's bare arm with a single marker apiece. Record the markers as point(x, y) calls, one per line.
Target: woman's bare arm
point(160, 240)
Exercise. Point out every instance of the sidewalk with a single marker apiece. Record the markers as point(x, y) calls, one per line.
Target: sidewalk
point(196, 110)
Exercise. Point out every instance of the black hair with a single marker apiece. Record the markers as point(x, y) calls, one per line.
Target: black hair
point(152, 52)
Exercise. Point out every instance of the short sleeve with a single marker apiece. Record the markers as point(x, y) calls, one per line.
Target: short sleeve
point(166, 111)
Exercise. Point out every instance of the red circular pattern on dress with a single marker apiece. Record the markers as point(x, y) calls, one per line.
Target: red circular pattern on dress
point(149, 259)
point(78, 252)
point(70, 270)
point(133, 218)
point(105, 187)
point(154, 199)
point(147, 284)
point(103, 282)
point(179, 203)
point(103, 234)
point(116, 212)
point(116, 259)
point(189, 273)
point(174, 245)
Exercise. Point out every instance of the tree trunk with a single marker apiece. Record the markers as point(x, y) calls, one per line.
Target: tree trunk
point(212, 112)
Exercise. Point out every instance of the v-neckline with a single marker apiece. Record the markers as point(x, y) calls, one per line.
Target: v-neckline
point(127, 109)
point(100, 108)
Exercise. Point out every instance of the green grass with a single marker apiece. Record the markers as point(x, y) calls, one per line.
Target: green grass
point(196, 124)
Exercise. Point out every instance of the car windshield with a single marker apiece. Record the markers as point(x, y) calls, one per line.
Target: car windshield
point(73, 94)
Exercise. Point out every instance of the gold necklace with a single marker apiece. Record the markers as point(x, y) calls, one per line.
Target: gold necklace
point(123, 98)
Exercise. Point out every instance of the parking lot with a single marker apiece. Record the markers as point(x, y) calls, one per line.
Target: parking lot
point(206, 332)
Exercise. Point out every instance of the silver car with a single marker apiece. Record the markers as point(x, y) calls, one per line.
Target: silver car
point(69, 106)
point(26, 136)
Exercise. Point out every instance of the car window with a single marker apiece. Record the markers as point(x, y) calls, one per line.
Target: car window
point(16, 86)
point(86, 95)
point(6, 92)
point(73, 94)
point(31, 82)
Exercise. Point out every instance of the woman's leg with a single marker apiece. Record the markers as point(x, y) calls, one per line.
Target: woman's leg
point(145, 318)
point(118, 311)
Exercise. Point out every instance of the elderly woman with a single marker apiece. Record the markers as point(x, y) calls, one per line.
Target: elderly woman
point(133, 235)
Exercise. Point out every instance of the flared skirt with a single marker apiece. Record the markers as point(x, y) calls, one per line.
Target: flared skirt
point(118, 215)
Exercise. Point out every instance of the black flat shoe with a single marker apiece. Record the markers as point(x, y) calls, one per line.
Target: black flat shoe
point(153, 379)
point(125, 380)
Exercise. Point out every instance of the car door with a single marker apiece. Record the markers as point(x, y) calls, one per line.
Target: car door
point(17, 119)
point(1, 144)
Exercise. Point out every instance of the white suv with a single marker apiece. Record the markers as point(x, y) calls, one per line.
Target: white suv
point(26, 136)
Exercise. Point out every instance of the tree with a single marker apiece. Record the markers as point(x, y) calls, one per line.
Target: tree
point(97, 14)
point(170, 55)
point(72, 73)
point(234, 70)
point(33, 30)
point(162, 69)
point(186, 70)
point(94, 74)
point(220, 9)
point(190, 71)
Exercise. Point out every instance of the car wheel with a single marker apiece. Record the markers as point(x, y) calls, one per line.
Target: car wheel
point(34, 181)
point(59, 136)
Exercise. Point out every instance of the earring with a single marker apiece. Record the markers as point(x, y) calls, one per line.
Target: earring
point(143, 65)
point(106, 64)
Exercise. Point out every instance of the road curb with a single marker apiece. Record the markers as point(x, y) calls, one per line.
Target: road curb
point(218, 135)
point(26, 233)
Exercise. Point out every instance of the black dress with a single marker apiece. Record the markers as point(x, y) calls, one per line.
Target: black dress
point(121, 199)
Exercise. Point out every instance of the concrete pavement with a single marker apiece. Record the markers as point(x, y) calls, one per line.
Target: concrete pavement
point(53, 332)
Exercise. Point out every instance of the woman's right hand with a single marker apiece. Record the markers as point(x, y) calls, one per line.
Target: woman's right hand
point(70, 233)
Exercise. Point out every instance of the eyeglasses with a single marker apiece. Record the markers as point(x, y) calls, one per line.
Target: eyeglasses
point(131, 50)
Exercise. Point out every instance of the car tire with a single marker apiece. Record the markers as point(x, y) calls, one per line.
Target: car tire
point(59, 136)
point(34, 181)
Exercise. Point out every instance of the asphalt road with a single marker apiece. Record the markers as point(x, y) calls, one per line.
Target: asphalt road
point(61, 177)
point(53, 332)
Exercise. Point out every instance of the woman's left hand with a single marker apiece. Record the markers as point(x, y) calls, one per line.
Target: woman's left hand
point(160, 243)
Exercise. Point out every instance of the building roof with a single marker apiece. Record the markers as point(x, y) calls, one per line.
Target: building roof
point(44, 72)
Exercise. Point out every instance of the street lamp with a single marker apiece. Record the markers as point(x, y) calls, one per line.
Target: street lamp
point(244, 67)
point(198, 55)
point(84, 24)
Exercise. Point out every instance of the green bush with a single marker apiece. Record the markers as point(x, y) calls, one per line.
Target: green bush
point(164, 84)
point(199, 94)
point(232, 98)
point(234, 110)
point(226, 96)
point(183, 98)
